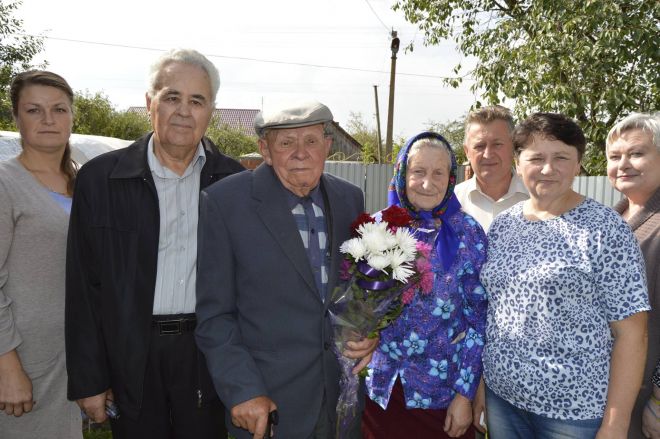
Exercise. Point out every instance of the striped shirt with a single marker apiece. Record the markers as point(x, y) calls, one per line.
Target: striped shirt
point(312, 226)
point(178, 201)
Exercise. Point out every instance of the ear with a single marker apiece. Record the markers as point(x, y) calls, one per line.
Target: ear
point(265, 152)
point(328, 144)
point(148, 99)
point(517, 164)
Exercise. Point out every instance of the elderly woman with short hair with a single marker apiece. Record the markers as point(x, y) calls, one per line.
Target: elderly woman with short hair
point(565, 339)
point(633, 168)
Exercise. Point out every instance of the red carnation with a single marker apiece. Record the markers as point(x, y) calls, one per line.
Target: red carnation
point(362, 218)
point(397, 216)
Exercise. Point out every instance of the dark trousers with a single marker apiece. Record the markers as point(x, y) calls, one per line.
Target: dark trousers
point(400, 422)
point(171, 405)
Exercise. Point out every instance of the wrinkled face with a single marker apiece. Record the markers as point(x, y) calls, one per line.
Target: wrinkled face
point(633, 164)
point(427, 177)
point(181, 109)
point(44, 118)
point(489, 149)
point(547, 168)
point(297, 156)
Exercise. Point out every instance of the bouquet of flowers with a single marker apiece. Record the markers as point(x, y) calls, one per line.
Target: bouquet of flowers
point(384, 266)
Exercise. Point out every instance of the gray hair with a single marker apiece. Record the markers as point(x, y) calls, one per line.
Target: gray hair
point(187, 56)
point(431, 142)
point(649, 123)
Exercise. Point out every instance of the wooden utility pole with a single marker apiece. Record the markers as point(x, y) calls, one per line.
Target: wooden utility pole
point(380, 141)
point(390, 111)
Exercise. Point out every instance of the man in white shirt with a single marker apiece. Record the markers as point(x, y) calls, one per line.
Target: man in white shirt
point(488, 146)
point(493, 188)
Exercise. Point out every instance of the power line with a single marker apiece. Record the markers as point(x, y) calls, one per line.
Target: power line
point(376, 15)
point(242, 58)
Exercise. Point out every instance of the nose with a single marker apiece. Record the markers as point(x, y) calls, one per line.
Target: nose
point(624, 161)
point(427, 183)
point(300, 151)
point(548, 168)
point(184, 108)
point(488, 151)
point(48, 118)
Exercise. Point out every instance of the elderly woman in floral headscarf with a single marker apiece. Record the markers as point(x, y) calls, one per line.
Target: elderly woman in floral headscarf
point(425, 373)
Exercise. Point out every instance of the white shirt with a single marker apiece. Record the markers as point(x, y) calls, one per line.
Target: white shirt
point(178, 205)
point(482, 207)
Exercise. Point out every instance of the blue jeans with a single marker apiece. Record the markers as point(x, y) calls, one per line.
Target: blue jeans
point(506, 421)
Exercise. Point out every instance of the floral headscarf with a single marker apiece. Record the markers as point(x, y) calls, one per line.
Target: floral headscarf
point(446, 243)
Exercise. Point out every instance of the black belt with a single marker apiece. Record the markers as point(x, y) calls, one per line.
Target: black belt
point(174, 324)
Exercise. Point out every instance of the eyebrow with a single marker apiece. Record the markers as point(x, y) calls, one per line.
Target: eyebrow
point(178, 93)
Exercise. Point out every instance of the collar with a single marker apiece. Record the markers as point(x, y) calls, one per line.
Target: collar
point(132, 160)
point(516, 186)
point(162, 171)
point(293, 199)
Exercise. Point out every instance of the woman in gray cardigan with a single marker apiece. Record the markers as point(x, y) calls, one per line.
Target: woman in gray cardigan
point(633, 168)
point(35, 199)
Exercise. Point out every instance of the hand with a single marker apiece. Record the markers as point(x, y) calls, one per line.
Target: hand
point(459, 416)
point(15, 386)
point(479, 406)
point(651, 420)
point(94, 406)
point(612, 432)
point(362, 350)
point(252, 415)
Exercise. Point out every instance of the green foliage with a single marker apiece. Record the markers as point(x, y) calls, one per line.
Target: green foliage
point(97, 434)
point(95, 114)
point(454, 132)
point(231, 141)
point(366, 135)
point(92, 113)
point(16, 54)
point(593, 60)
point(128, 126)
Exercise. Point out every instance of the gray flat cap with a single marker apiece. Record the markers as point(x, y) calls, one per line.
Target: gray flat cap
point(301, 115)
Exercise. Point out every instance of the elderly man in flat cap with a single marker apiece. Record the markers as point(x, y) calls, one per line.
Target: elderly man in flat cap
point(268, 261)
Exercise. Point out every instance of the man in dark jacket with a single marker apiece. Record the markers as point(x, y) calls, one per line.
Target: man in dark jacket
point(268, 263)
point(131, 266)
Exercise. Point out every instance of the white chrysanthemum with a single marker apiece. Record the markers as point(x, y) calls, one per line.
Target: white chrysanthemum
point(397, 257)
point(354, 247)
point(406, 242)
point(375, 237)
point(402, 273)
point(378, 261)
point(400, 263)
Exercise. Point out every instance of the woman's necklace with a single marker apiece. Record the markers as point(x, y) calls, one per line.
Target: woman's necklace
point(37, 175)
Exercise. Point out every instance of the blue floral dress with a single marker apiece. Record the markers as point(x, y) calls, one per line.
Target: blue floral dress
point(435, 345)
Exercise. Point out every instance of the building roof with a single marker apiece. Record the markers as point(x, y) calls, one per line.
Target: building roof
point(237, 118)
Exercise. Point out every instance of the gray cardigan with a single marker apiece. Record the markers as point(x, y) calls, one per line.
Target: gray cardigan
point(33, 231)
point(646, 226)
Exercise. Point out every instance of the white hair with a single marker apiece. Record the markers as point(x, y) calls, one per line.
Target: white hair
point(649, 123)
point(431, 142)
point(187, 56)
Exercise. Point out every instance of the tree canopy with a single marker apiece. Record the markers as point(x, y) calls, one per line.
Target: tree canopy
point(16, 54)
point(593, 60)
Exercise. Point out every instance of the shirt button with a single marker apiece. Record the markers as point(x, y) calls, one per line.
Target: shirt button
point(326, 345)
point(182, 213)
point(181, 282)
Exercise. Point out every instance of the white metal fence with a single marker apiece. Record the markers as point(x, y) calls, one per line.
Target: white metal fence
point(374, 179)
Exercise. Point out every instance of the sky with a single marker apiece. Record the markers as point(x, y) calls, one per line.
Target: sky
point(269, 53)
